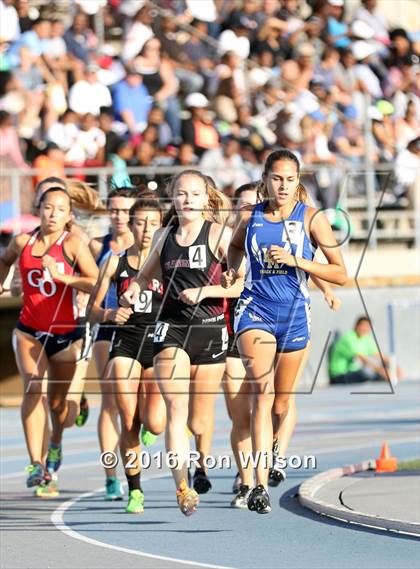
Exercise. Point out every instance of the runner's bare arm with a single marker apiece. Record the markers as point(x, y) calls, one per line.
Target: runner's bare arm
point(10, 256)
point(79, 254)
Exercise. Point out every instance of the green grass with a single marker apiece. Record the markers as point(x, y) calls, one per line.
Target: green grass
point(409, 464)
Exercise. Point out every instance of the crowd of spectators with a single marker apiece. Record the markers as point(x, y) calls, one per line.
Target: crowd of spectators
point(213, 83)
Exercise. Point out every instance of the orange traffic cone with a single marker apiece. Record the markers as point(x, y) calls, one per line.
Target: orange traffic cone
point(386, 462)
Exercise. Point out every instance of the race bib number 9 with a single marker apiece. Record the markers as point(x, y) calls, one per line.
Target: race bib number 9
point(144, 303)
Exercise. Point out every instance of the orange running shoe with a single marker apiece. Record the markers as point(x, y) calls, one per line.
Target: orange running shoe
point(187, 498)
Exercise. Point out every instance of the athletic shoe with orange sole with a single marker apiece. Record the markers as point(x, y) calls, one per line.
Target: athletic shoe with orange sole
point(187, 499)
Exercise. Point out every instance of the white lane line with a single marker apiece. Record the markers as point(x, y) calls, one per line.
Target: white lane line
point(57, 518)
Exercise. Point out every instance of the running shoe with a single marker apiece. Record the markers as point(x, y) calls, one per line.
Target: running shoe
point(147, 438)
point(35, 475)
point(135, 502)
point(201, 482)
point(54, 458)
point(48, 488)
point(236, 483)
point(113, 489)
point(83, 415)
point(276, 473)
point(241, 498)
point(276, 476)
point(259, 500)
point(187, 499)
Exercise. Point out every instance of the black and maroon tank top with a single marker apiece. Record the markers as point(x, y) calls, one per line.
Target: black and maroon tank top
point(189, 267)
point(147, 308)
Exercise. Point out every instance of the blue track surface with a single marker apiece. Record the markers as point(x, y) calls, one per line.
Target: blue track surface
point(335, 426)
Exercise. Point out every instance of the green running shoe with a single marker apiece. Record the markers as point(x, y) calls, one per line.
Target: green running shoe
point(82, 417)
point(113, 489)
point(135, 502)
point(147, 438)
point(35, 475)
point(54, 458)
point(48, 489)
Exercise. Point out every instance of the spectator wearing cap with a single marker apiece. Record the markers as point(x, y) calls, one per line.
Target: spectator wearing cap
point(160, 81)
point(368, 80)
point(225, 165)
point(383, 130)
point(80, 39)
point(89, 95)
point(49, 163)
point(235, 40)
point(337, 30)
point(132, 102)
point(198, 130)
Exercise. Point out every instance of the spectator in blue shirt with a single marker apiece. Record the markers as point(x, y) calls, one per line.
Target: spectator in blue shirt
point(132, 101)
point(36, 40)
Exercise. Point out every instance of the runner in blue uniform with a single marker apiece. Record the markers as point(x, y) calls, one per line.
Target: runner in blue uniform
point(272, 320)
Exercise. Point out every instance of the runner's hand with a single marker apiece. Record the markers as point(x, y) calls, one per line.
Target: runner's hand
point(192, 296)
point(333, 301)
point(131, 295)
point(120, 315)
point(228, 278)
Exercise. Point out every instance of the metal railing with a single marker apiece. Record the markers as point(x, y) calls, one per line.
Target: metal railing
point(364, 208)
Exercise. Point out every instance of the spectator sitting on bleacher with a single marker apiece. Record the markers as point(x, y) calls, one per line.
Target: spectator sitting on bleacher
point(88, 95)
point(355, 358)
point(132, 101)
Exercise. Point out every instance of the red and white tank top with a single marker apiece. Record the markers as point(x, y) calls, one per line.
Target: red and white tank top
point(48, 305)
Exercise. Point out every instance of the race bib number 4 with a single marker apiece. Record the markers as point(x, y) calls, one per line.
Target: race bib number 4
point(197, 256)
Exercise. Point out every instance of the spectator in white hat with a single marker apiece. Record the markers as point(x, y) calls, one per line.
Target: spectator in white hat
point(368, 80)
point(198, 130)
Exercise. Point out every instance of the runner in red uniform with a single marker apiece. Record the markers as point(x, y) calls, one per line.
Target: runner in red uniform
point(47, 339)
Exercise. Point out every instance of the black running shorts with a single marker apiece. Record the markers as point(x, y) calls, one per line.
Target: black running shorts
point(134, 342)
point(204, 342)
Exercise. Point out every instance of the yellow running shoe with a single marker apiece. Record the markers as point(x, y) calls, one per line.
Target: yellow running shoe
point(187, 498)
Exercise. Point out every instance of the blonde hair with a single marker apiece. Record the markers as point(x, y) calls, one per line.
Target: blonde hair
point(301, 195)
point(219, 206)
point(84, 197)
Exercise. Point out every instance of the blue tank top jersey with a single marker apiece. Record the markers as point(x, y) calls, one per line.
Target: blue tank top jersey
point(269, 281)
point(111, 298)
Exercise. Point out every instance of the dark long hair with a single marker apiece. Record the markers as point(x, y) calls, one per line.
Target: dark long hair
point(283, 154)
